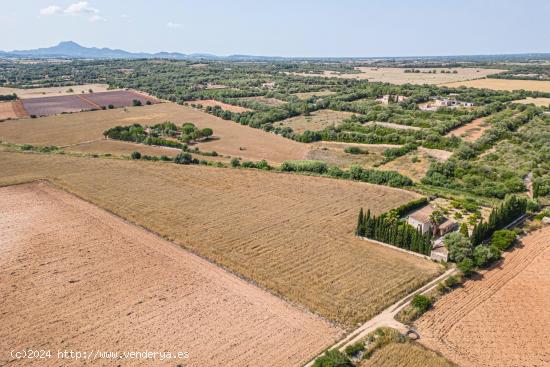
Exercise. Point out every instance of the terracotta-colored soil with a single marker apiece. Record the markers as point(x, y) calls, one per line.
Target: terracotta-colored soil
point(502, 318)
point(75, 277)
point(7, 111)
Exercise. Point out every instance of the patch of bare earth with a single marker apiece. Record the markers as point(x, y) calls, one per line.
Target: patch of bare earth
point(316, 121)
point(413, 165)
point(224, 106)
point(75, 277)
point(439, 154)
point(500, 319)
point(539, 101)
point(6, 111)
point(471, 131)
point(291, 234)
point(29, 93)
point(391, 125)
point(334, 155)
point(307, 95)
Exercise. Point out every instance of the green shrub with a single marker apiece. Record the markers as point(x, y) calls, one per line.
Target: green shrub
point(466, 266)
point(453, 281)
point(503, 239)
point(355, 150)
point(484, 255)
point(26, 147)
point(354, 349)
point(184, 158)
point(136, 155)
point(235, 163)
point(333, 358)
point(304, 166)
point(421, 303)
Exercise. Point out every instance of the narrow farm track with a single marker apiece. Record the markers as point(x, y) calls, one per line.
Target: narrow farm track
point(501, 319)
point(93, 104)
point(19, 109)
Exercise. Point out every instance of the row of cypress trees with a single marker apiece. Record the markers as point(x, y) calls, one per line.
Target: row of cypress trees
point(393, 232)
point(511, 208)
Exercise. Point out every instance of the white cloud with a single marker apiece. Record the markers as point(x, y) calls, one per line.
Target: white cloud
point(96, 18)
point(174, 25)
point(50, 10)
point(81, 8)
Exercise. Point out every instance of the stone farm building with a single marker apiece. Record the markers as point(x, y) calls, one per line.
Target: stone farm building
point(421, 219)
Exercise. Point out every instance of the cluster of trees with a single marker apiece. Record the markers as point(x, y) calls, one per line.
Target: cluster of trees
point(393, 153)
point(8, 97)
point(158, 134)
point(473, 251)
point(389, 178)
point(390, 230)
point(511, 208)
point(319, 167)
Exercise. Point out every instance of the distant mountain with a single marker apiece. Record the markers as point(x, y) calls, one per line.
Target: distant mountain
point(73, 50)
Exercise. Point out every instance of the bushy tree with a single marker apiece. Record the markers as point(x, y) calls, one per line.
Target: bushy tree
point(503, 239)
point(136, 155)
point(421, 303)
point(458, 245)
point(484, 255)
point(466, 266)
point(333, 358)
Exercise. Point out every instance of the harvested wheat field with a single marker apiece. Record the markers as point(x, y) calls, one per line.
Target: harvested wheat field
point(224, 106)
point(471, 131)
point(501, 319)
point(7, 111)
point(505, 84)
point(398, 75)
point(541, 101)
point(291, 234)
point(407, 354)
point(229, 138)
point(54, 91)
point(116, 147)
point(316, 121)
point(125, 149)
point(86, 280)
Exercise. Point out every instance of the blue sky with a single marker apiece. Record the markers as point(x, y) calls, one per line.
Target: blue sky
point(283, 27)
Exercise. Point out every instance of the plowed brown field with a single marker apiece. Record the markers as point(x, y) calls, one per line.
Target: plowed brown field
point(502, 319)
point(75, 277)
point(7, 111)
point(289, 233)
